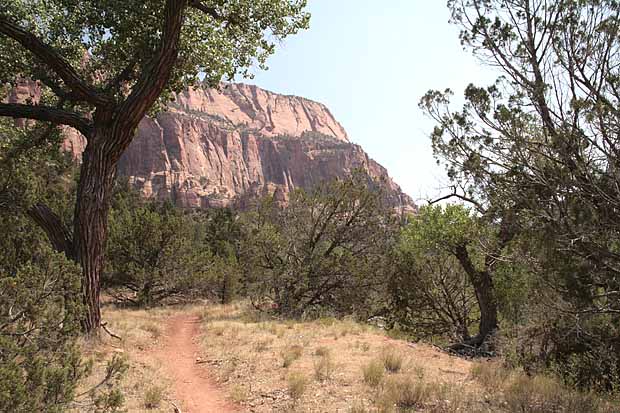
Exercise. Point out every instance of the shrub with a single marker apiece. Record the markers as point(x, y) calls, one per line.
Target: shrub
point(307, 272)
point(154, 253)
point(373, 373)
point(40, 362)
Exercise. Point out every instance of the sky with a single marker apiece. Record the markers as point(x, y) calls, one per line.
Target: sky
point(370, 62)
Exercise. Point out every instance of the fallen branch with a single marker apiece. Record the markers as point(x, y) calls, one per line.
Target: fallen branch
point(103, 325)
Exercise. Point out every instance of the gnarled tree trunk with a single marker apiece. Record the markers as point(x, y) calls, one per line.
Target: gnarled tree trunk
point(94, 193)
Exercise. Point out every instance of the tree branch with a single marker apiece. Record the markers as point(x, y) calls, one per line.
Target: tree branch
point(53, 60)
point(57, 232)
point(197, 4)
point(46, 114)
point(475, 203)
point(157, 72)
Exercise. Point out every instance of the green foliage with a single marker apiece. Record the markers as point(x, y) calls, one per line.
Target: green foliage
point(533, 152)
point(223, 237)
point(120, 37)
point(154, 251)
point(325, 252)
point(431, 294)
point(32, 169)
point(40, 363)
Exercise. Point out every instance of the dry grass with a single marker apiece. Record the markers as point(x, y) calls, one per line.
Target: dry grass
point(516, 392)
point(143, 385)
point(297, 384)
point(153, 397)
point(290, 354)
point(373, 373)
point(267, 365)
point(324, 368)
point(404, 393)
point(325, 362)
point(392, 360)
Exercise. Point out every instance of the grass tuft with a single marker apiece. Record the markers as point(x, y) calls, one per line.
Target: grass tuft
point(296, 384)
point(324, 368)
point(392, 360)
point(290, 354)
point(373, 373)
point(153, 397)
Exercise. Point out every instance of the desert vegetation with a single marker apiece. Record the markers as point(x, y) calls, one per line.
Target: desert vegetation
point(329, 300)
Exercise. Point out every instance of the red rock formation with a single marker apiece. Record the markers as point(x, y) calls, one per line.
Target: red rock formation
point(211, 147)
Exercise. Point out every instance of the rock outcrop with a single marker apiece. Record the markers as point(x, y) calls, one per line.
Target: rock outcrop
point(213, 146)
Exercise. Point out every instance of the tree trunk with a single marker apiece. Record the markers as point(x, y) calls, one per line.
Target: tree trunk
point(94, 193)
point(482, 282)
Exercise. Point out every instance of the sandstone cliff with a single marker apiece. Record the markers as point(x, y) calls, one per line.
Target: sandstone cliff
point(213, 146)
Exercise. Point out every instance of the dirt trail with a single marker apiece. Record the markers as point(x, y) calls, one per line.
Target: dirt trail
point(177, 355)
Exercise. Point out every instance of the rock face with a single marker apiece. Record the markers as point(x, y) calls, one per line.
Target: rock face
point(211, 147)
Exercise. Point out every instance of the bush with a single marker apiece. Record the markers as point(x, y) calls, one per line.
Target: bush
point(153, 397)
point(154, 252)
point(40, 362)
point(324, 254)
point(540, 394)
point(405, 393)
point(430, 292)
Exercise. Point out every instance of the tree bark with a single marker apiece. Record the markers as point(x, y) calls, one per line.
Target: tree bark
point(56, 231)
point(90, 222)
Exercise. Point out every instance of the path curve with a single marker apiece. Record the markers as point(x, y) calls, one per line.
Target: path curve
point(191, 384)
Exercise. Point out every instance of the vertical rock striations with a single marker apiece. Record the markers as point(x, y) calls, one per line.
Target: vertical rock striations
point(211, 147)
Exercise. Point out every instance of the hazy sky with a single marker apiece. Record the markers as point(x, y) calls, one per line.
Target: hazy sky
point(370, 62)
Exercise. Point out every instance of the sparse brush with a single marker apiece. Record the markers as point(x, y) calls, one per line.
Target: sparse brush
point(153, 329)
point(296, 384)
point(153, 397)
point(323, 368)
point(419, 371)
point(217, 330)
point(373, 373)
point(290, 354)
point(392, 361)
point(492, 375)
point(405, 393)
point(541, 394)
